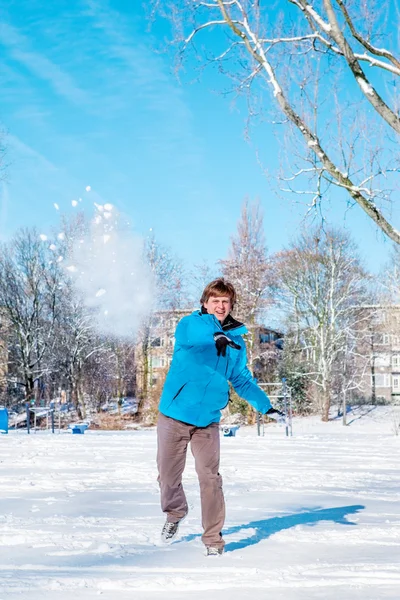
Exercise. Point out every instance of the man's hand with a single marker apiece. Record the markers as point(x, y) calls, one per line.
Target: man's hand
point(222, 341)
point(274, 413)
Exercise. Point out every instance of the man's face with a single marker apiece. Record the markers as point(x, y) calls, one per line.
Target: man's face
point(220, 306)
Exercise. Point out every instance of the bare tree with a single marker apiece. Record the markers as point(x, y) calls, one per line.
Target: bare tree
point(77, 344)
point(324, 68)
point(320, 281)
point(29, 297)
point(248, 268)
point(168, 277)
point(200, 276)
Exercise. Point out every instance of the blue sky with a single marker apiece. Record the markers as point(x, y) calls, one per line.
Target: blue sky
point(86, 100)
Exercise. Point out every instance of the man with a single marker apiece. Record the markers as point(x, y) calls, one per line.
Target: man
point(209, 352)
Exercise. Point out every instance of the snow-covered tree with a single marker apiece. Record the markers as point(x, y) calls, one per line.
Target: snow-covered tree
point(248, 269)
point(30, 293)
point(327, 72)
point(320, 281)
point(168, 280)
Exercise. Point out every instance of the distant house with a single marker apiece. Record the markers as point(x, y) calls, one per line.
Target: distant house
point(267, 337)
point(379, 349)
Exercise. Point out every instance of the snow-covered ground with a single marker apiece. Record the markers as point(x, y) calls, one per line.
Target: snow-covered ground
point(313, 516)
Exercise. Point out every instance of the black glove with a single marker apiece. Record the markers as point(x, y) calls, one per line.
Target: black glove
point(274, 413)
point(222, 341)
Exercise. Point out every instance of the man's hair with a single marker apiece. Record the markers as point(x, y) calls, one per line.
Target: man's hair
point(219, 287)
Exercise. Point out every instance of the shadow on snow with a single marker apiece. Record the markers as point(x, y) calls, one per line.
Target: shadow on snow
point(264, 528)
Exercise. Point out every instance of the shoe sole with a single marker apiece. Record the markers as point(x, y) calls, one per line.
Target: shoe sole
point(176, 532)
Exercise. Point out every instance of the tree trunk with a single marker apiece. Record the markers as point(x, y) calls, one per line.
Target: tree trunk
point(326, 403)
point(29, 387)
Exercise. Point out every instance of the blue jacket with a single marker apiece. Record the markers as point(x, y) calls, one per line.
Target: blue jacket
point(196, 388)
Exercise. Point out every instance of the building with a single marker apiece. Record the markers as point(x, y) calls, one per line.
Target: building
point(379, 349)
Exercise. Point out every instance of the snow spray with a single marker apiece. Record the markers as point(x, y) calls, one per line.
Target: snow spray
point(107, 267)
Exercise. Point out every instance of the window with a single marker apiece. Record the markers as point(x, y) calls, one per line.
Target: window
point(395, 340)
point(158, 362)
point(396, 361)
point(382, 360)
point(382, 380)
point(386, 339)
point(396, 382)
point(158, 342)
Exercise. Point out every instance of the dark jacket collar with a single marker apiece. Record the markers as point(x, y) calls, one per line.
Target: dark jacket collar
point(228, 324)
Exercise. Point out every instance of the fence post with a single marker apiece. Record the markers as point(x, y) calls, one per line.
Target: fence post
point(28, 418)
point(284, 389)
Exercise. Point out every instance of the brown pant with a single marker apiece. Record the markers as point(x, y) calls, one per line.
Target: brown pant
point(173, 439)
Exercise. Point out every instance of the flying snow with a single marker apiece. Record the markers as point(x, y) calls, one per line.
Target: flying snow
point(74, 203)
point(43, 237)
point(110, 273)
point(56, 206)
point(88, 188)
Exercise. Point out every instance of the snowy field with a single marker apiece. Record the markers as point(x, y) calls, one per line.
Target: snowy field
point(314, 516)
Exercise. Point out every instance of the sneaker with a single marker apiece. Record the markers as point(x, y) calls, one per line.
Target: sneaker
point(214, 551)
point(170, 530)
